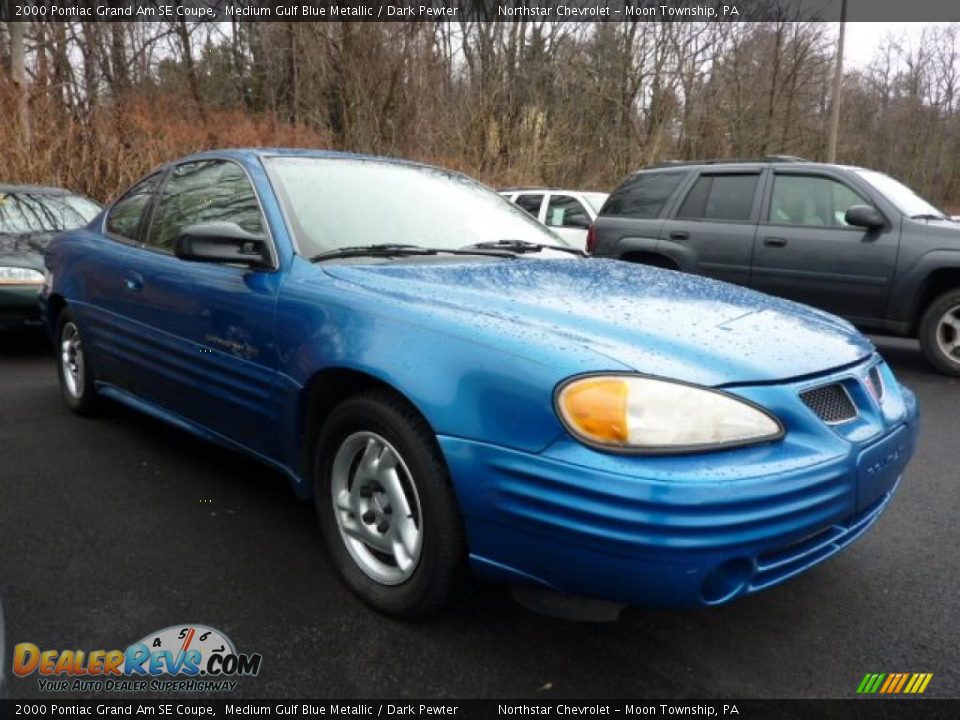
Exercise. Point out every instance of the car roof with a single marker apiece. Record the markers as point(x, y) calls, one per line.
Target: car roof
point(263, 152)
point(34, 189)
point(790, 161)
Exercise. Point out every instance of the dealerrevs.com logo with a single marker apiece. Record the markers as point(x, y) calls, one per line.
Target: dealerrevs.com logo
point(184, 658)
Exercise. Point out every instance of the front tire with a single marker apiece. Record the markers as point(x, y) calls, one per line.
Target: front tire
point(386, 506)
point(74, 368)
point(940, 333)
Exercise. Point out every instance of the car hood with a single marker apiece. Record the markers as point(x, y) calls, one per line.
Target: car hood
point(947, 230)
point(654, 321)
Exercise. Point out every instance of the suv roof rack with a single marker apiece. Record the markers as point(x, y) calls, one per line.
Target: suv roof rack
point(729, 161)
point(517, 188)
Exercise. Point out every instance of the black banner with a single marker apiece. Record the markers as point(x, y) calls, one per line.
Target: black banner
point(474, 10)
point(861, 709)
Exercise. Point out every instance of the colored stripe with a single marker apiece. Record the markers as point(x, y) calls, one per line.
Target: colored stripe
point(902, 682)
point(926, 681)
point(862, 687)
point(876, 688)
point(912, 683)
point(888, 683)
point(891, 684)
point(876, 683)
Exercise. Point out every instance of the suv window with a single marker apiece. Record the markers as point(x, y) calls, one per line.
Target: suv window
point(204, 191)
point(811, 200)
point(566, 211)
point(643, 195)
point(530, 203)
point(720, 197)
point(126, 213)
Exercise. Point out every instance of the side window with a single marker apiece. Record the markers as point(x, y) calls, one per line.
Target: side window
point(124, 217)
point(844, 198)
point(720, 197)
point(204, 191)
point(812, 201)
point(566, 211)
point(643, 195)
point(530, 203)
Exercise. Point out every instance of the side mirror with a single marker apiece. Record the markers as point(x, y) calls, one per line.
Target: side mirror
point(864, 216)
point(578, 221)
point(222, 242)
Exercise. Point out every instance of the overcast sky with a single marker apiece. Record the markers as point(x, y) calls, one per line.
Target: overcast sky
point(863, 38)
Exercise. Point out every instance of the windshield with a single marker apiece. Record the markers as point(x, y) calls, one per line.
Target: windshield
point(335, 203)
point(23, 213)
point(902, 197)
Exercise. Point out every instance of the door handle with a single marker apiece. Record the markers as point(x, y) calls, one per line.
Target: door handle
point(775, 242)
point(679, 235)
point(132, 283)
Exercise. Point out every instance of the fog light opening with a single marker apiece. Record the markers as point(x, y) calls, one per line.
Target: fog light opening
point(726, 581)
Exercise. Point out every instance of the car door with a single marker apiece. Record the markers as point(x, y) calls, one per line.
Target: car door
point(98, 260)
point(805, 251)
point(711, 231)
point(201, 335)
point(568, 217)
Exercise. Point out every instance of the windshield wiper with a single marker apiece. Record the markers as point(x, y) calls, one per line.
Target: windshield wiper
point(525, 246)
point(398, 250)
point(928, 216)
point(381, 249)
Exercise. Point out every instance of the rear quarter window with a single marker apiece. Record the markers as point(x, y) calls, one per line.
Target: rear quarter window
point(720, 197)
point(643, 195)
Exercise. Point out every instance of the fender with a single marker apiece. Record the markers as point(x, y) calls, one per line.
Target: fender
point(635, 243)
point(911, 282)
point(318, 329)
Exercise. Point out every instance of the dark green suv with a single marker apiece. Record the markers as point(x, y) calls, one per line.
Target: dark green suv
point(848, 240)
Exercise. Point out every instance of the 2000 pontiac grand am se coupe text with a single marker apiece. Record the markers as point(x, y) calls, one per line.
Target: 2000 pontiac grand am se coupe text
point(454, 385)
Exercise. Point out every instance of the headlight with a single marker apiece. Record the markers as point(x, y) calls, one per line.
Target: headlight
point(640, 414)
point(20, 276)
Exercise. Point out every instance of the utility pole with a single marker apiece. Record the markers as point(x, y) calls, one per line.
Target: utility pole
point(837, 82)
point(18, 74)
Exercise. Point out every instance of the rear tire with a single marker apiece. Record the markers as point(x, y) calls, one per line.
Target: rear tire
point(74, 368)
point(386, 506)
point(940, 333)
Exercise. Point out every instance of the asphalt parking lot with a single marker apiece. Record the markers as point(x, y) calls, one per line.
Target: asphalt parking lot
point(116, 527)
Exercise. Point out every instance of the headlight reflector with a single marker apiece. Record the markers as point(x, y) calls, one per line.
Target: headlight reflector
point(20, 276)
point(642, 414)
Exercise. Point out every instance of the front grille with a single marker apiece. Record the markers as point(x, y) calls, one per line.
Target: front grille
point(875, 383)
point(831, 403)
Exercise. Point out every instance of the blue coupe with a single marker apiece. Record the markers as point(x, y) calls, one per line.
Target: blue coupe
point(455, 386)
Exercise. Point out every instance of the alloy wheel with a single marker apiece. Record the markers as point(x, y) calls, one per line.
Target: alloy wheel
point(71, 356)
point(948, 333)
point(377, 508)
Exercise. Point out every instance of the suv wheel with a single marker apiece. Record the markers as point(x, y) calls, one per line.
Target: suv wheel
point(940, 333)
point(74, 369)
point(386, 506)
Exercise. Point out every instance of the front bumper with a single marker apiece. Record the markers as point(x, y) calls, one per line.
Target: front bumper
point(684, 530)
point(19, 308)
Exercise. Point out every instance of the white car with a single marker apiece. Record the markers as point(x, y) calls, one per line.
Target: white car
point(566, 212)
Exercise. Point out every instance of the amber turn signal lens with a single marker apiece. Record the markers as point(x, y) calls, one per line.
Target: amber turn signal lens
point(597, 407)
